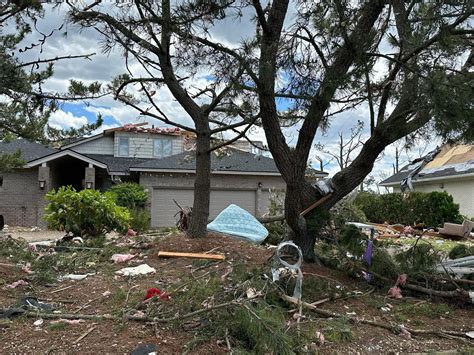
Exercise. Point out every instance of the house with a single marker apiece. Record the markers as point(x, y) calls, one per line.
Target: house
point(451, 169)
point(160, 159)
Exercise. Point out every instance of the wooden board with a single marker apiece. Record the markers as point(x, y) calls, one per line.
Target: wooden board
point(171, 254)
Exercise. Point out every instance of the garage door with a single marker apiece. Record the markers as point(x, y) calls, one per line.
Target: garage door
point(164, 209)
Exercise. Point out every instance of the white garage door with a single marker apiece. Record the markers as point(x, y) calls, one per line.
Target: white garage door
point(163, 208)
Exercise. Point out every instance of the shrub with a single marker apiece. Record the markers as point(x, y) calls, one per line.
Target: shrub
point(461, 251)
point(432, 209)
point(140, 220)
point(130, 195)
point(134, 197)
point(84, 213)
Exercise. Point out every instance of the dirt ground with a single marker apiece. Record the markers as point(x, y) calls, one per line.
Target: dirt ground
point(104, 293)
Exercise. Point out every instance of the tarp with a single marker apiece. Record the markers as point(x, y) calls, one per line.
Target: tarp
point(236, 221)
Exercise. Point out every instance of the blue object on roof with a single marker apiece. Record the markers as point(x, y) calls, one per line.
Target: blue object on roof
point(236, 221)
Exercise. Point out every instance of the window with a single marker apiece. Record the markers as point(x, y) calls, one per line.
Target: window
point(162, 147)
point(1, 181)
point(123, 148)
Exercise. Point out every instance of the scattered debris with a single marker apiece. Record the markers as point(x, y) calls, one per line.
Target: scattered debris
point(457, 231)
point(461, 266)
point(168, 254)
point(38, 323)
point(75, 277)
point(184, 217)
point(296, 267)
point(17, 284)
point(142, 269)
point(152, 292)
point(68, 321)
point(121, 258)
point(144, 349)
point(131, 233)
point(236, 221)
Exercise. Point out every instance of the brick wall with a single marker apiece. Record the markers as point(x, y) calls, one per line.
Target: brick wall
point(21, 200)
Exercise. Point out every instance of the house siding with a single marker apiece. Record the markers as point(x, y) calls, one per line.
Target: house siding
point(104, 145)
point(141, 144)
point(152, 181)
point(461, 190)
point(21, 200)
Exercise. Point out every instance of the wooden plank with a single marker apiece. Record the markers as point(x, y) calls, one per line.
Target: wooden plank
point(170, 254)
point(316, 204)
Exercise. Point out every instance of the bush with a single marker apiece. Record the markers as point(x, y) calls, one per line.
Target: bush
point(461, 251)
point(85, 213)
point(134, 197)
point(130, 195)
point(432, 209)
point(140, 220)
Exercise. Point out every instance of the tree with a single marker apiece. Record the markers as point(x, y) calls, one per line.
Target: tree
point(159, 38)
point(326, 62)
point(25, 108)
point(346, 146)
point(329, 55)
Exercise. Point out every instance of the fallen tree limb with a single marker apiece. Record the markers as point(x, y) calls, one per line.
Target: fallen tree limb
point(271, 219)
point(100, 317)
point(445, 294)
point(393, 328)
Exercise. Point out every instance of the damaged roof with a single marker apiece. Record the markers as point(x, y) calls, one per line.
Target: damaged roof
point(231, 160)
point(29, 150)
point(451, 161)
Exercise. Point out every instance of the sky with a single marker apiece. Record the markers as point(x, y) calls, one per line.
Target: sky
point(104, 67)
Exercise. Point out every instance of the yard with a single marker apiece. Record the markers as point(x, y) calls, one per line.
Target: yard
point(209, 306)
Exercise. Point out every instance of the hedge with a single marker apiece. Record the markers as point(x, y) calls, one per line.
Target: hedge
point(432, 209)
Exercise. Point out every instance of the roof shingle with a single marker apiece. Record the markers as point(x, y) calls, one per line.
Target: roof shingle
point(29, 150)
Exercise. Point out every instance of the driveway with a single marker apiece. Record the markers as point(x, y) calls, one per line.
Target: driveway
point(34, 235)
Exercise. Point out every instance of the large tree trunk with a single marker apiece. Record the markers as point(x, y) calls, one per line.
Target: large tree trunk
point(298, 197)
point(202, 185)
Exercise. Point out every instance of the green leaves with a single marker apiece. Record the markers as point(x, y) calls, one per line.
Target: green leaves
point(85, 213)
point(432, 209)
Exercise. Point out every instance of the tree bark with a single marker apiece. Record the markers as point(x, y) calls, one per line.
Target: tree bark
point(202, 183)
point(298, 197)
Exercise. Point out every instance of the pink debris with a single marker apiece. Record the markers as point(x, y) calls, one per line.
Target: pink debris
point(17, 283)
point(68, 321)
point(131, 233)
point(408, 230)
point(395, 292)
point(121, 258)
point(26, 268)
point(402, 280)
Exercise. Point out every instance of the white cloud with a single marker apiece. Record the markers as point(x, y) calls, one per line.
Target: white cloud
point(64, 120)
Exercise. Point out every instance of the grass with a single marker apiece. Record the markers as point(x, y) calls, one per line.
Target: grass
point(337, 331)
point(429, 310)
point(56, 327)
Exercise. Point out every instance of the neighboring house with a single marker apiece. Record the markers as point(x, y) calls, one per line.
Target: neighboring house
point(162, 160)
point(451, 170)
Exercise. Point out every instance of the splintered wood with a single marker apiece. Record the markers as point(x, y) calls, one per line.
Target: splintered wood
point(172, 254)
